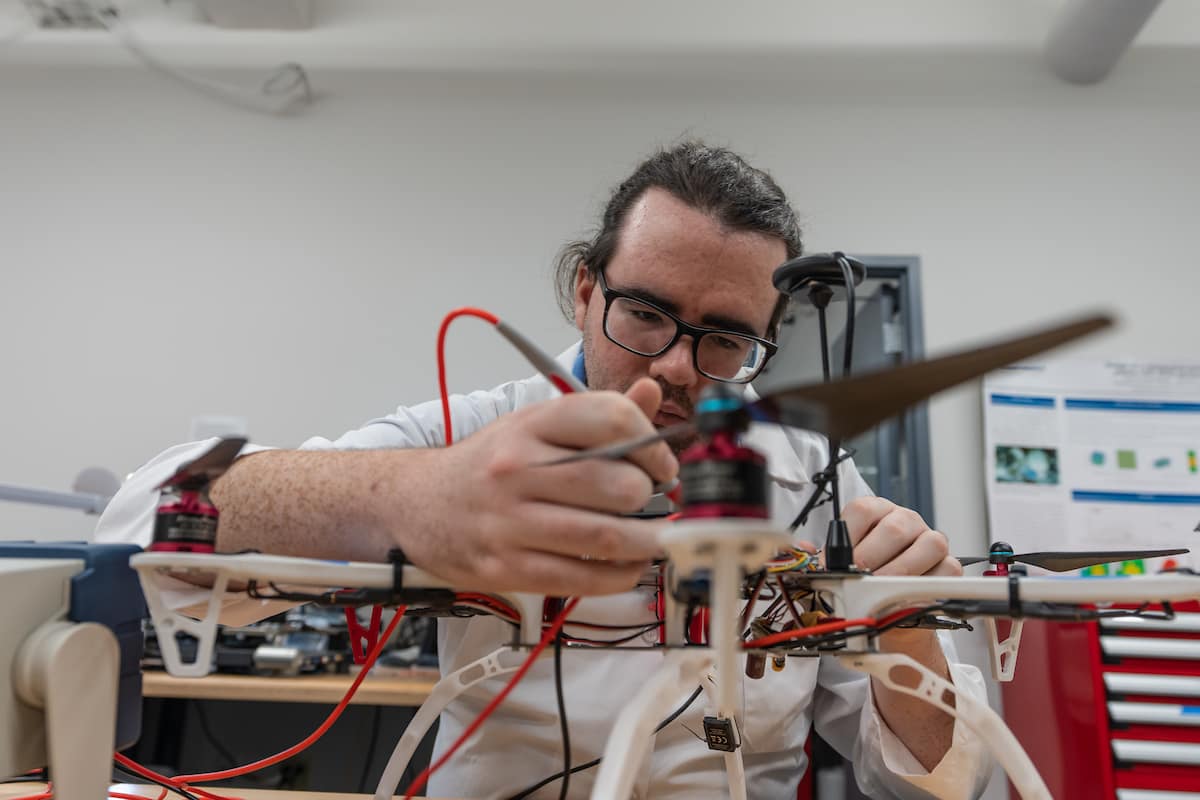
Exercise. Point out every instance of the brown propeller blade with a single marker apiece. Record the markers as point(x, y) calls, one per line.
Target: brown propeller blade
point(1068, 561)
point(209, 466)
point(845, 408)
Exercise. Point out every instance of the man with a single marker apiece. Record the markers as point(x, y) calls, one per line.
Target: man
point(679, 272)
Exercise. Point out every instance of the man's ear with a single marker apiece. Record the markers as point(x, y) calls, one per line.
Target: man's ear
point(584, 284)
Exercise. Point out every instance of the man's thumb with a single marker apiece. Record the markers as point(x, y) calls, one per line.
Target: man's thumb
point(647, 394)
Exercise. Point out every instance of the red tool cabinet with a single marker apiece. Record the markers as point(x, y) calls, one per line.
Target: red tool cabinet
point(1111, 710)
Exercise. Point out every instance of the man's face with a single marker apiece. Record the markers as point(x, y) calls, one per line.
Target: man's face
point(685, 262)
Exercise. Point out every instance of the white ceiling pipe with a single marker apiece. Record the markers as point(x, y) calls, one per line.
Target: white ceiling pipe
point(1090, 35)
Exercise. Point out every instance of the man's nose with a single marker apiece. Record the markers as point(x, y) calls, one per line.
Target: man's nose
point(675, 366)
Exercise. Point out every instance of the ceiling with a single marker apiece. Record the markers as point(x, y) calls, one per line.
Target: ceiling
point(552, 34)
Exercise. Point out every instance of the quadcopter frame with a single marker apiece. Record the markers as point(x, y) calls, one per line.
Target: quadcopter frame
point(727, 549)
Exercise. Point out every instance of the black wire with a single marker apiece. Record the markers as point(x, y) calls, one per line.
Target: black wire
point(603, 627)
point(673, 716)
point(562, 717)
point(184, 793)
point(34, 778)
point(679, 711)
point(1050, 611)
point(641, 632)
point(376, 721)
point(819, 495)
point(848, 348)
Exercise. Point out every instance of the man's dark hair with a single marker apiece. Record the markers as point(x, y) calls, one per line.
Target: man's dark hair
point(713, 180)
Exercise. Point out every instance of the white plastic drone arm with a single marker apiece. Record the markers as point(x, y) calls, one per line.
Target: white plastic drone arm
point(627, 743)
point(498, 662)
point(976, 715)
point(869, 596)
point(1003, 653)
point(317, 576)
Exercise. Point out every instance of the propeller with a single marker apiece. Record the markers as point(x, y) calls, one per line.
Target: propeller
point(1002, 553)
point(847, 407)
point(208, 467)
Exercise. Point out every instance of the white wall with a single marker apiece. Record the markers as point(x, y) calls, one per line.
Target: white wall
point(163, 257)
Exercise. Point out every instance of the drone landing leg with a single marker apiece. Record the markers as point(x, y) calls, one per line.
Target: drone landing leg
point(169, 622)
point(498, 662)
point(978, 716)
point(635, 724)
point(1003, 653)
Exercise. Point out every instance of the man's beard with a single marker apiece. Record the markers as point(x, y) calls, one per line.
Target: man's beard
point(599, 380)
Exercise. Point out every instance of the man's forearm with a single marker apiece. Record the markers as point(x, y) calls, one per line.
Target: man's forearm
point(926, 731)
point(318, 504)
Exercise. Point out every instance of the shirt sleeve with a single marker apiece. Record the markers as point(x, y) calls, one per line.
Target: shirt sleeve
point(844, 711)
point(129, 516)
point(845, 715)
point(883, 765)
point(129, 519)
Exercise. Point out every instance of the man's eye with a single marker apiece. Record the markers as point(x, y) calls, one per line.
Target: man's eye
point(645, 315)
point(725, 343)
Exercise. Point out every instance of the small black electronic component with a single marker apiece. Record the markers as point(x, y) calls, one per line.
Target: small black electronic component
point(719, 734)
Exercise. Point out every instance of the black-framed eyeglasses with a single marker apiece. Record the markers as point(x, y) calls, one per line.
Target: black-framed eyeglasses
point(645, 329)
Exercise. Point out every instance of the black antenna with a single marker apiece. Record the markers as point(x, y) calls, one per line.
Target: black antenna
point(815, 278)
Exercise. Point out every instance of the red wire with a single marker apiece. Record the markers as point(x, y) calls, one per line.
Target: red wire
point(812, 630)
point(493, 603)
point(184, 780)
point(315, 735)
point(441, 358)
point(549, 634)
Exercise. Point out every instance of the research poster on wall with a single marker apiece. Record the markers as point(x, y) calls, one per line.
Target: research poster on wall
point(1095, 455)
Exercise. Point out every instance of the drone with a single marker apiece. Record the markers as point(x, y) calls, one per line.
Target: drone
point(721, 551)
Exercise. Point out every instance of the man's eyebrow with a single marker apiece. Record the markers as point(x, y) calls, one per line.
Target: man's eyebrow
point(708, 320)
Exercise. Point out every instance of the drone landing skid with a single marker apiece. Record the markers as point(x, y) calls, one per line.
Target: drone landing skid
point(726, 548)
point(499, 662)
point(979, 717)
point(635, 726)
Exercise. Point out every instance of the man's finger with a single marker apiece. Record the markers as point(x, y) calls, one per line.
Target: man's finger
point(927, 553)
point(584, 421)
point(863, 513)
point(580, 533)
point(618, 487)
point(646, 394)
point(948, 566)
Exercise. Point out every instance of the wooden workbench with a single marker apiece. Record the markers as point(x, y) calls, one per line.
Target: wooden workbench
point(407, 688)
point(10, 790)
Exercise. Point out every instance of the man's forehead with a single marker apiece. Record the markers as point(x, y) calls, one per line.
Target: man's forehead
point(688, 262)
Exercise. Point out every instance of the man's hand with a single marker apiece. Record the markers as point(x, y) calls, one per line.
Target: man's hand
point(496, 518)
point(892, 540)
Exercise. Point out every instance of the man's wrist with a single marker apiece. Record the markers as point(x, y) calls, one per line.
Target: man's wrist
point(922, 644)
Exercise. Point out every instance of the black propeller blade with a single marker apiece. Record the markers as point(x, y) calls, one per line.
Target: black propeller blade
point(208, 467)
point(1080, 559)
point(843, 408)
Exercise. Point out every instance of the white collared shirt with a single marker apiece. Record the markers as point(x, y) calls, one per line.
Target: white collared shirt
point(521, 743)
